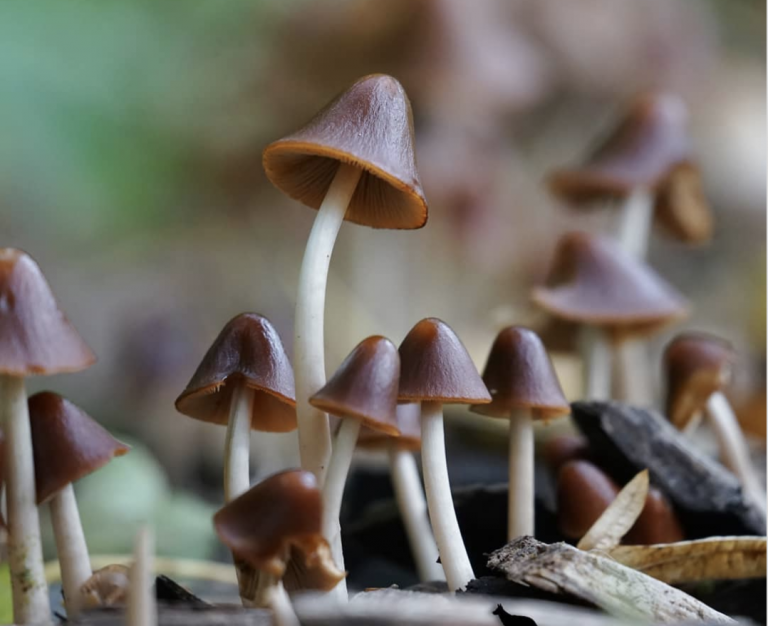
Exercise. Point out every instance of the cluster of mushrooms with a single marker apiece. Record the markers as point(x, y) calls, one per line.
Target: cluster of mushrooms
point(355, 161)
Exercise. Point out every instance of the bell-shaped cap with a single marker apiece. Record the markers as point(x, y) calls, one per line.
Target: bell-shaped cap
point(280, 515)
point(561, 449)
point(248, 350)
point(365, 386)
point(35, 336)
point(584, 491)
point(409, 424)
point(519, 375)
point(696, 366)
point(657, 523)
point(370, 126)
point(67, 444)
point(593, 281)
point(681, 208)
point(435, 366)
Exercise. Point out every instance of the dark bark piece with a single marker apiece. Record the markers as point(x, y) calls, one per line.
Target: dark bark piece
point(707, 498)
point(168, 590)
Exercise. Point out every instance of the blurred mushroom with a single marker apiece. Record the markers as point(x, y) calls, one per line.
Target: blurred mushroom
point(142, 600)
point(584, 491)
point(658, 522)
point(35, 338)
point(564, 448)
point(435, 370)
point(353, 161)
point(106, 587)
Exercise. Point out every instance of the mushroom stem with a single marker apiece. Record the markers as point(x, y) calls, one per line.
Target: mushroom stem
point(25, 552)
point(142, 604)
point(520, 502)
point(280, 604)
point(70, 548)
point(413, 508)
point(309, 354)
point(733, 447)
point(237, 446)
point(453, 554)
point(634, 381)
point(635, 219)
point(596, 357)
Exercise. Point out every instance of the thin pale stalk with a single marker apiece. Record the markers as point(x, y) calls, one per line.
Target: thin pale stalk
point(635, 221)
point(142, 603)
point(309, 351)
point(520, 501)
point(634, 373)
point(237, 446)
point(281, 606)
point(596, 356)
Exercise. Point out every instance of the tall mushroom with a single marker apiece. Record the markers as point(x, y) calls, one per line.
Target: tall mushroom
point(523, 387)
point(35, 338)
point(406, 483)
point(611, 295)
point(353, 161)
point(362, 391)
point(68, 445)
point(436, 370)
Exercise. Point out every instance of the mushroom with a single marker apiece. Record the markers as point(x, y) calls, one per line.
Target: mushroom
point(563, 448)
point(612, 295)
point(362, 391)
point(280, 515)
point(35, 338)
point(584, 491)
point(406, 482)
point(698, 368)
point(523, 387)
point(142, 600)
point(353, 161)
point(436, 370)
point(658, 522)
point(67, 445)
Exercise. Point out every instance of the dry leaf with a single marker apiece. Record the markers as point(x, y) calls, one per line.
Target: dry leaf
point(619, 517)
point(714, 558)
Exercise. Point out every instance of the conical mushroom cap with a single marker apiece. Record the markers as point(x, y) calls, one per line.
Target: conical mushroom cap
point(520, 375)
point(67, 444)
point(593, 281)
point(435, 366)
point(247, 350)
point(365, 386)
point(35, 336)
point(370, 126)
point(409, 423)
point(696, 366)
point(584, 491)
point(281, 514)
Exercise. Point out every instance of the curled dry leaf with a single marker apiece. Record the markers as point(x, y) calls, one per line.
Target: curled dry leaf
point(715, 558)
point(619, 517)
point(107, 586)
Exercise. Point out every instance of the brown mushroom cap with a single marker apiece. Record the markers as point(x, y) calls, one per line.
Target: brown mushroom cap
point(584, 491)
point(561, 449)
point(658, 522)
point(369, 126)
point(279, 515)
point(67, 444)
point(365, 386)
point(593, 281)
point(519, 375)
point(35, 336)
point(409, 423)
point(435, 366)
point(696, 366)
point(248, 349)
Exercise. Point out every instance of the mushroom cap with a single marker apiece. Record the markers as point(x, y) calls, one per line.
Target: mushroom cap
point(365, 386)
point(561, 449)
point(435, 366)
point(681, 208)
point(593, 281)
point(247, 350)
point(409, 423)
point(519, 375)
point(67, 444)
point(696, 366)
point(281, 514)
point(35, 336)
point(370, 126)
point(657, 523)
point(584, 491)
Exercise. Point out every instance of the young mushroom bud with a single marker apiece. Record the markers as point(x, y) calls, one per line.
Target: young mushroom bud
point(584, 491)
point(658, 522)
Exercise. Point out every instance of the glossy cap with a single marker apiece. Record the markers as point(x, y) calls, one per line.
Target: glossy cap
point(279, 515)
point(369, 126)
point(67, 444)
point(248, 349)
point(593, 281)
point(584, 491)
point(435, 366)
point(696, 366)
point(520, 375)
point(365, 386)
point(409, 423)
point(658, 522)
point(35, 336)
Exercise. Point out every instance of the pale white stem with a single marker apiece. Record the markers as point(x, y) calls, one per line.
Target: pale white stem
point(237, 447)
point(413, 509)
point(635, 384)
point(453, 554)
point(596, 357)
point(70, 548)
point(520, 501)
point(25, 552)
point(635, 221)
point(733, 448)
point(281, 606)
point(309, 350)
point(142, 603)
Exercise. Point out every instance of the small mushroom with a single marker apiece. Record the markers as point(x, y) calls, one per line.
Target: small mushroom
point(658, 522)
point(563, 448)
point(584, 491)
point(435, 370)
point(523, 387)
point(353, 161)
point(142, 598)
point(35, 338)
point(107, 587)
